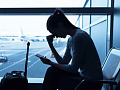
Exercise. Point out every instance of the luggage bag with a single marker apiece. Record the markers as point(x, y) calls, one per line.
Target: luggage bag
point(16, 80)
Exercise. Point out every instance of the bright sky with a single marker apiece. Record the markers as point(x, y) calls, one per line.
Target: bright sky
point(41, 3)
point(32, 25)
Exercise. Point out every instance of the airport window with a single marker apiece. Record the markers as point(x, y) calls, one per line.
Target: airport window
point(86, 21)
point(15, 32)
point(40, 3)
point(99, 3)
point(53, 3)
point(21, 22)
point(98, 26)
point(98, 34)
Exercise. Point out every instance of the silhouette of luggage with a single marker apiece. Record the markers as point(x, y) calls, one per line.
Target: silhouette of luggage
point(16, 80)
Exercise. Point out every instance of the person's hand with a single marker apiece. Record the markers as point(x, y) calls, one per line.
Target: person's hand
point(44, 60)
point(50, 38)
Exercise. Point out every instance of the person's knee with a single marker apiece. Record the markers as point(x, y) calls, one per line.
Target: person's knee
point(51, 72)
point(52, 69)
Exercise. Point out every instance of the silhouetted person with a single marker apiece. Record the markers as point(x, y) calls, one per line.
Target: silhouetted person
point(80, 51)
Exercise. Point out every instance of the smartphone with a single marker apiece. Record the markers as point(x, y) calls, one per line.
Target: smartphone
point(38, 55)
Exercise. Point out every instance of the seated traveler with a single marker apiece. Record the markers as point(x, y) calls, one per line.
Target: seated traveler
point(80, 51)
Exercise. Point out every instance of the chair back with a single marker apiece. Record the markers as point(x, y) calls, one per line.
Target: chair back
point(118, 86)
point(111, 65)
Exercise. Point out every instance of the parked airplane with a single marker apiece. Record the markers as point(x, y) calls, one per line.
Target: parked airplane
point(23, 37)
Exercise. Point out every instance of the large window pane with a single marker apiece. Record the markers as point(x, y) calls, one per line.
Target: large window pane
point(98, 34)
point(95, 18)
point(53, 3)
point(99, 31)
point(86, 20)
point(88, 4)
point(99, 3)
point(41, 3)
point(15, 32)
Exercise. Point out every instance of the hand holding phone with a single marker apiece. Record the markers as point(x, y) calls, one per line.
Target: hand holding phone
point(40, 56)
point(44, 59)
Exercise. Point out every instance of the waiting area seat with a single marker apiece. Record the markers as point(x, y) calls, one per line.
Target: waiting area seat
point(110, 69)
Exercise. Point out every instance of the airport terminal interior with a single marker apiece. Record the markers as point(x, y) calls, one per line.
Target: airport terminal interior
point(23, 21)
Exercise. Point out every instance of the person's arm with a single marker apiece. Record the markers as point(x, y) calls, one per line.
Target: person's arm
point(77, 58)
point(78, 48)
point(55, 53)
point(67, 57)
point(49, 62)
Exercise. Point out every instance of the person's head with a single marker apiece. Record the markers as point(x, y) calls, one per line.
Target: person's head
point(58, 24)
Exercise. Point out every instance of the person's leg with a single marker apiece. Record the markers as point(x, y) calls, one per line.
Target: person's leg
point(50, 79)
point(69, 83)
point(53, 76)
